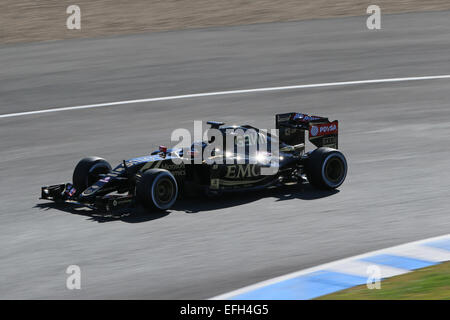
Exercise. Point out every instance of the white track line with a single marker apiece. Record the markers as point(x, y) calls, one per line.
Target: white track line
point(330, 266)
point(218, 93)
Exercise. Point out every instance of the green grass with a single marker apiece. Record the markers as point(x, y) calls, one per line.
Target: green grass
point(431, 283)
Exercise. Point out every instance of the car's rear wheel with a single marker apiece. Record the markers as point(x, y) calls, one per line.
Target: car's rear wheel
point(326, 168)
point(156, 189)
point(88, 171)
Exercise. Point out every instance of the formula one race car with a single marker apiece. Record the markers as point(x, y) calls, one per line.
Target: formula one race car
point(157, 180)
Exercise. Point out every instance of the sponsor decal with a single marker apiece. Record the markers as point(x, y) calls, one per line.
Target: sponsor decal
point(283, 118)
point(314, 131)
point(171, 166)
point(215, 183)
point(323, 129)
point(105, 179)
point(179, 173)
point(242, 171)
point(88, 191)
point(304, 117)
point(71, 191)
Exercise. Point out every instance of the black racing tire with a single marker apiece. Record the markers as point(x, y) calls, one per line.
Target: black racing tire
point(326, 168)
point(156, 189)
point(87, 172)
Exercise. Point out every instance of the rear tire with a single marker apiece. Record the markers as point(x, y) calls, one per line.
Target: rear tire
point(326, 168)
point(87, 172)
point(156, 189)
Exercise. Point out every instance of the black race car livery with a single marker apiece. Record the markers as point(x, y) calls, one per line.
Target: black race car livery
point(157, 180)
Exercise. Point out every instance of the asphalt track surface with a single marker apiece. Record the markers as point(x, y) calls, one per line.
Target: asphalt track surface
point(396, 137)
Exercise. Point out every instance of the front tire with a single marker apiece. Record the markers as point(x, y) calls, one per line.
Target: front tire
point(156, 189)
point(87, 172)
point(326, 168)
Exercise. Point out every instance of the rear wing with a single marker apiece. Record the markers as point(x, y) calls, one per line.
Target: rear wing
point(321, 131)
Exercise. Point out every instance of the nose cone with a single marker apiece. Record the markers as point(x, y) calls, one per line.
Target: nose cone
point(101, 186)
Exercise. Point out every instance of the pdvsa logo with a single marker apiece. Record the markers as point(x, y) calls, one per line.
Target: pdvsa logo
point(324, 129)
point(328, 129)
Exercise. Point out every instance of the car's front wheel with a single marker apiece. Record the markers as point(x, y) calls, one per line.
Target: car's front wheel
point(326, 168)
point(156, 189)
point(87, 172)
